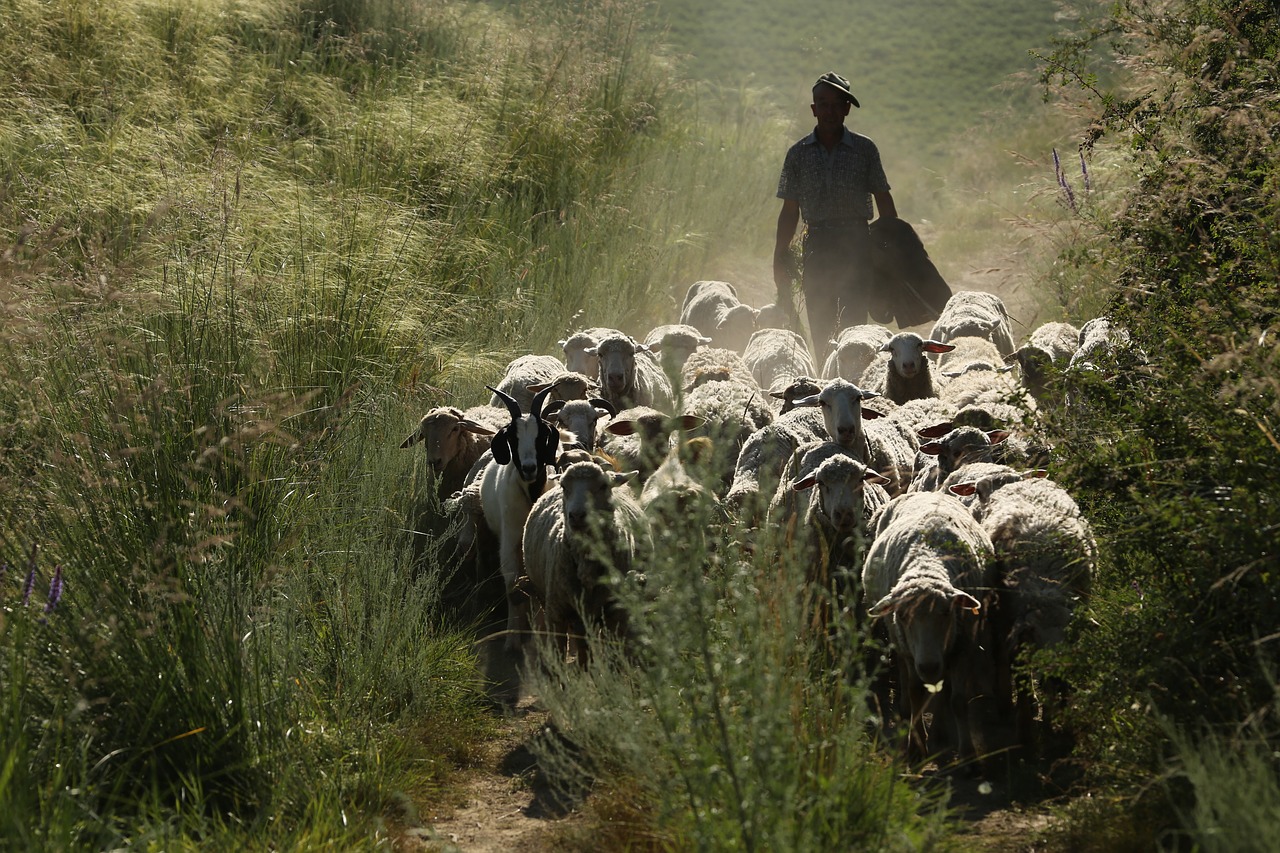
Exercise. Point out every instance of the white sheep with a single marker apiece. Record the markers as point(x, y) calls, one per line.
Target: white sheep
point(884, 448)
point(582, 537)
point(777, 357)
point(576, 357)
point(855, 348)
point(523, 372)
point(762, 458)
point(952, 447)
point(929, 575)
point(715, 364)
point(969, 351)
point(569, 385)
point(630, 375)
point(581, 418)
point(674, 343)
point(731, 411)
point(713, 308)
point(1045, 554)
point(976, 313)
point(637, 439)
point(908, 374)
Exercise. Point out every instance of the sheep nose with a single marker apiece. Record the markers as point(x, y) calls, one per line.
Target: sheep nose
point(577, 519)
point(842, 519)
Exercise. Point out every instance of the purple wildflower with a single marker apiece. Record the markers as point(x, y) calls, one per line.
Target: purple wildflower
point(55, 590)
point(1062, 180)
point(1084, 172)
point(29, 585)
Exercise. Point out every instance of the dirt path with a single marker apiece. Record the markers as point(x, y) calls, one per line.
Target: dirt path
point(496, 805)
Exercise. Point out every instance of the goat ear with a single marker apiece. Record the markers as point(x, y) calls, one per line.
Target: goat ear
point(501, 447)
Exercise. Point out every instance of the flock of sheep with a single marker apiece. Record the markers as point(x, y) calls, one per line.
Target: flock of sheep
point(906, 472)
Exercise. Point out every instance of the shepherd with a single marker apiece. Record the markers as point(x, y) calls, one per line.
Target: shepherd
point(830, 178)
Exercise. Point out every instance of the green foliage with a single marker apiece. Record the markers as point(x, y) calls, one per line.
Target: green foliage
point(1176, 459)
point(735, 725)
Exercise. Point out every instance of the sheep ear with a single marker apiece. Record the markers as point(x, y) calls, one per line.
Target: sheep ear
point(875, 477)
point(1035, 474)
point(965, 601)
point(551, 410)
point(951, 374)
point(654, 347)
point(561, 343)
point(998, 435)
point(620, 478)
point(622, 427)
point(964, 490)
point(811, 400)
point(689, 421)
point(469, 425)
point(886, 348)
point(937, 430)
point(937, 346)
point(704, 340)
point(1013, 357)
point(1004, 369)
point(778, 395)
point(590, 350)
point(931, 448)
point(500, 447)
point(414, 437)
point(537, 386)
point(871, 414)
point(883, 607)
point(805, 482)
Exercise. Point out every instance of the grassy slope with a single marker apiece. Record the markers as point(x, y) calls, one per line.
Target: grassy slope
point(922, 71)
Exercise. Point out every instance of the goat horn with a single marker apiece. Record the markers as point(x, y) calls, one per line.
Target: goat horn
point(601, 403)
point(540, 397)
point(512, 405)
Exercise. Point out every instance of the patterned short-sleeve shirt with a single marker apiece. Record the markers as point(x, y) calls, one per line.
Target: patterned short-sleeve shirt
point(833, 185)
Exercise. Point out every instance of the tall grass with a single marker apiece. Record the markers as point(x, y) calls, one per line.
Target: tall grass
point(735, 725)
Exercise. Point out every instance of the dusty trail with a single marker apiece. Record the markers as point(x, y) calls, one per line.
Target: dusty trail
point(497, 805)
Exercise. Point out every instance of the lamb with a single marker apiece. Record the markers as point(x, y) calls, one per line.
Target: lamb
point(909, 376)
point(523, 450)
point(580, 540)
point(714, 309)
point(854, 350)
point(777, 357)
point(883, 448)
point(523, 372)
point(928, 576)
point(454, 440)
point(576, 357)
point(1045, 556)
point(762, 458)
point(629, 376)
point(976, 313)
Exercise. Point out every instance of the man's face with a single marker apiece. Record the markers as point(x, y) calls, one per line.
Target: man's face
point(829, 108)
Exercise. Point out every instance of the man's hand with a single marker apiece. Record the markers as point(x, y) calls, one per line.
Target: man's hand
point(784, 272)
